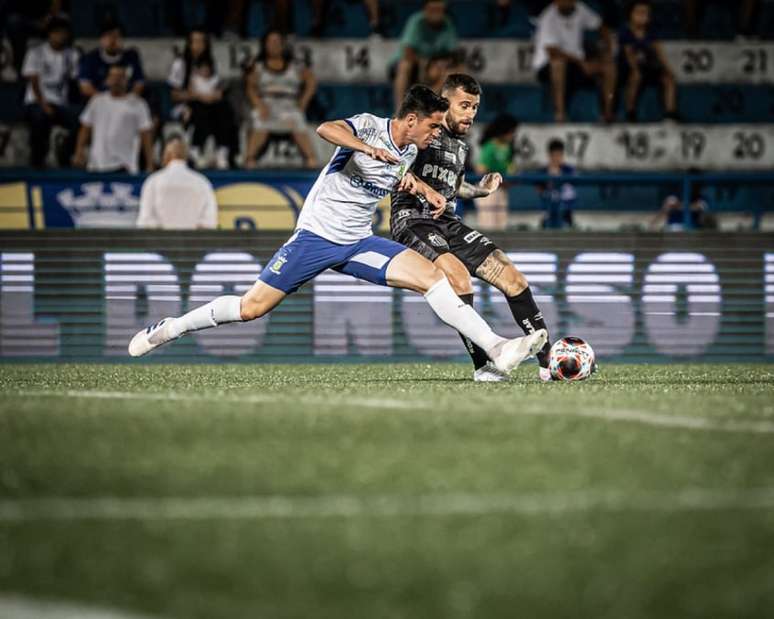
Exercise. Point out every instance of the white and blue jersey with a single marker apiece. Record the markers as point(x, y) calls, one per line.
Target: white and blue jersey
point(334, 229)
point(341, 204)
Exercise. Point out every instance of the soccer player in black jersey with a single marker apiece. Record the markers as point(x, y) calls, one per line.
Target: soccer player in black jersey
point(439, 235)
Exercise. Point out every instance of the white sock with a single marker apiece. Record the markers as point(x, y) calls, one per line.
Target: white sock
point(219, 311)
point(461, 316)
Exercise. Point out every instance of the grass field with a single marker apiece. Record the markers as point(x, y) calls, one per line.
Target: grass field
point(377, 491)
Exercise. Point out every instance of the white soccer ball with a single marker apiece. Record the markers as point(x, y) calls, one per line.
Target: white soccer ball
point(571, 358)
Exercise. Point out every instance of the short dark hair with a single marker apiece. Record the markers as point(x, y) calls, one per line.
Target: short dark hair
point(555, 144)
point(635, 3)
point(109, 25)
point(422, 101)
point(58, 24)
point(466, 82)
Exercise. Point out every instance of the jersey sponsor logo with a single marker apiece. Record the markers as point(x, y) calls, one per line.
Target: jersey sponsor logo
point(403, 213)
point(437, 240)
point(359, 182)
point(439, 173)
point(475, 234)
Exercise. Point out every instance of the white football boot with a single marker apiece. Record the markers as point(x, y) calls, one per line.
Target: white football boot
point(151, 337)
point(489, 374)
point(545, 375)
point(514, 351)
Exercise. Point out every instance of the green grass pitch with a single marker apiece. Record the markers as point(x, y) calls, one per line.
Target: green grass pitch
point(388, 491)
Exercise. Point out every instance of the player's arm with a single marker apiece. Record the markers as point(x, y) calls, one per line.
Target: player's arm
point(340, 133)
point(488, 184)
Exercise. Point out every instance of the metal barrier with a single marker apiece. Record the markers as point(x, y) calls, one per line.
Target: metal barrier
point(80, 295)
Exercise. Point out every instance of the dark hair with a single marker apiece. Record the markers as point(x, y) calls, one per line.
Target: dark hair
point(502, 124)
point(205, 58)
point(118, 65)
point(287, 52)
point(555, 144)
point(109, 25)
point(422, 101)
point(467, 83)
point(429, 1)
point(57, 23)
point(635, 3)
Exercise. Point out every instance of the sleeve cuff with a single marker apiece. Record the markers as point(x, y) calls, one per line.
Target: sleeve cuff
point(351, 124)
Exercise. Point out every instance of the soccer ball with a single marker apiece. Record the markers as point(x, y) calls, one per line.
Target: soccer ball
point(571, 358)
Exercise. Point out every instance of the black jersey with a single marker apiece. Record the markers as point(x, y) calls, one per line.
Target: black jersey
point(442, 166)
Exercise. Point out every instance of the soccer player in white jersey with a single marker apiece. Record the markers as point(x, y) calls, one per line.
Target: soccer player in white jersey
point(334, 232)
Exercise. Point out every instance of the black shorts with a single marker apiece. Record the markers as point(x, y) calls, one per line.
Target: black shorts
point(575, 79)
point(447, 234)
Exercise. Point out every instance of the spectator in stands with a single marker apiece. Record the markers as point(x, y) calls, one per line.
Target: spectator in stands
point(176, 197)
point(115, 123)
point(496, 155)
point(320, 14)
point(49, 68)
point(279, 91)
point(22, 20)
point(559, 198)
point(671, 217)
point(198, 89)
point(560, 60)
point(748, 10)
point(642, 62)
point(96, 64)
point(428, 33)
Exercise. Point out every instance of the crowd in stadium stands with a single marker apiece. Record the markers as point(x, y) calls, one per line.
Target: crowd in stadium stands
point(119, 117)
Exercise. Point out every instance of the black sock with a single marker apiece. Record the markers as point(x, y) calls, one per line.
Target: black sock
point(477, 354)
point(530, 319)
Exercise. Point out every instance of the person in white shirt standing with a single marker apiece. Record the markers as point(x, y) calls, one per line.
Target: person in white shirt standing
point(48, 69)
point(176, 197)
point(115, 122)
point(560, 59)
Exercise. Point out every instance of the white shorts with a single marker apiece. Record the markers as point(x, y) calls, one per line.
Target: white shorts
point(283, 116)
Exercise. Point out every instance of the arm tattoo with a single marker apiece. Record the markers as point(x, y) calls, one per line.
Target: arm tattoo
point(493, 267)
point(467, 191)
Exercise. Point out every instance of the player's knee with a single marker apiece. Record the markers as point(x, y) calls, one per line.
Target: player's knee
point(514, 282)
point(459, 280)
point(430, 277)
point(251, 308)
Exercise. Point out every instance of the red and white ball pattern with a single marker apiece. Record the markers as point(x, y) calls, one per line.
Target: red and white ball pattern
point(571, 358)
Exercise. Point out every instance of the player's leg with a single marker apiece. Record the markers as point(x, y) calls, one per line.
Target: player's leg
point(460, 281)
point(498, 270)
point(426, 238)
point(387, 262)
point(296, 262)
point(489, 263)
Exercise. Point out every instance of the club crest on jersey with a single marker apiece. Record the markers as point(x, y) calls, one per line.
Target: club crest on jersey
point(437, 240)
point(277, 265)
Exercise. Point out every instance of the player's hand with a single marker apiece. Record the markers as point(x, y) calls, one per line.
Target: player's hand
point(437, 201)
point(408, 183)
point(381, 154)
point(491, 182)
